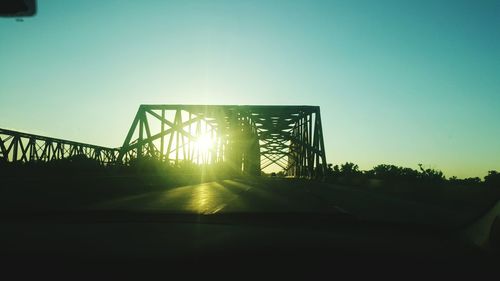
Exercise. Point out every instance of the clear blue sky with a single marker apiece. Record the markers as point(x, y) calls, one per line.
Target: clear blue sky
point(398, 82)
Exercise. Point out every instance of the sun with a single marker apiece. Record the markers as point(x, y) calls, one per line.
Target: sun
point(204, 143)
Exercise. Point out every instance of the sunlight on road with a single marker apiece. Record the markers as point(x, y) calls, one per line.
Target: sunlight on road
point(204, 199)
point(207, 198)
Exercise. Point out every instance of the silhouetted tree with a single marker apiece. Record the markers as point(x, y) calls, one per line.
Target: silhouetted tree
point(349, 169)
point(392, 172)
point(332, 169)
point(332, 172)
point(467, 181)
point(492, 179)
point(431, 175)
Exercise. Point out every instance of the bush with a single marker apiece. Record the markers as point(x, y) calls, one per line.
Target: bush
point(492, 179)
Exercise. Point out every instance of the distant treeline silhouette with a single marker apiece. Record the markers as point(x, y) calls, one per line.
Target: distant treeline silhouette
point(346, 174)
point(384, 174)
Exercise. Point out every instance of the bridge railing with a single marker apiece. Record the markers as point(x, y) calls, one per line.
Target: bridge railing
point(18, 146)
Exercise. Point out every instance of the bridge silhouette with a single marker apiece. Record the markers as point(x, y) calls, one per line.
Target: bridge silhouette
point(246, 138)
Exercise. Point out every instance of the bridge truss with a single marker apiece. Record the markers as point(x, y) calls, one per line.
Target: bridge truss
point(244, 138)
point(23, 147)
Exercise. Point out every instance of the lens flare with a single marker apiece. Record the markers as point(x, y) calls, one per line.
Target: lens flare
point(204, 144)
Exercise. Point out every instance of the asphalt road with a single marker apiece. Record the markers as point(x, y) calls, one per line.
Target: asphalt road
point(116, 236)
point(276, 195)
point(227, 196)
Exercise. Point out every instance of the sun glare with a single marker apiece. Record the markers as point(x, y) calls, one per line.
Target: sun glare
point(204, 143)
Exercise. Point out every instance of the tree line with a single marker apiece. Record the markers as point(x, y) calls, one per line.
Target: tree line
point(349, 173)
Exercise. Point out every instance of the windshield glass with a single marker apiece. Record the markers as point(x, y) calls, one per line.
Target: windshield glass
point(377, 110)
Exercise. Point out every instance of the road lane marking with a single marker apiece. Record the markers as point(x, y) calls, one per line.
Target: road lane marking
point(220, 207)
point(341, 210)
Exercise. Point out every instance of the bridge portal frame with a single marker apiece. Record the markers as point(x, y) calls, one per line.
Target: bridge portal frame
point(248, 138)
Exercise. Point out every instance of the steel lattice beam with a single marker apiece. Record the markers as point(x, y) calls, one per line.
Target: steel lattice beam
point(247, 138)
point(243, 138)
point(23, 147)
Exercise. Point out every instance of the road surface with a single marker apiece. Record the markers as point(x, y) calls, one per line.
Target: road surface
point(142, 236)
point(276, 195)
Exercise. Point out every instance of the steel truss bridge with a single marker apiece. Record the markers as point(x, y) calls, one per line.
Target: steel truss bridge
point(244, 138)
